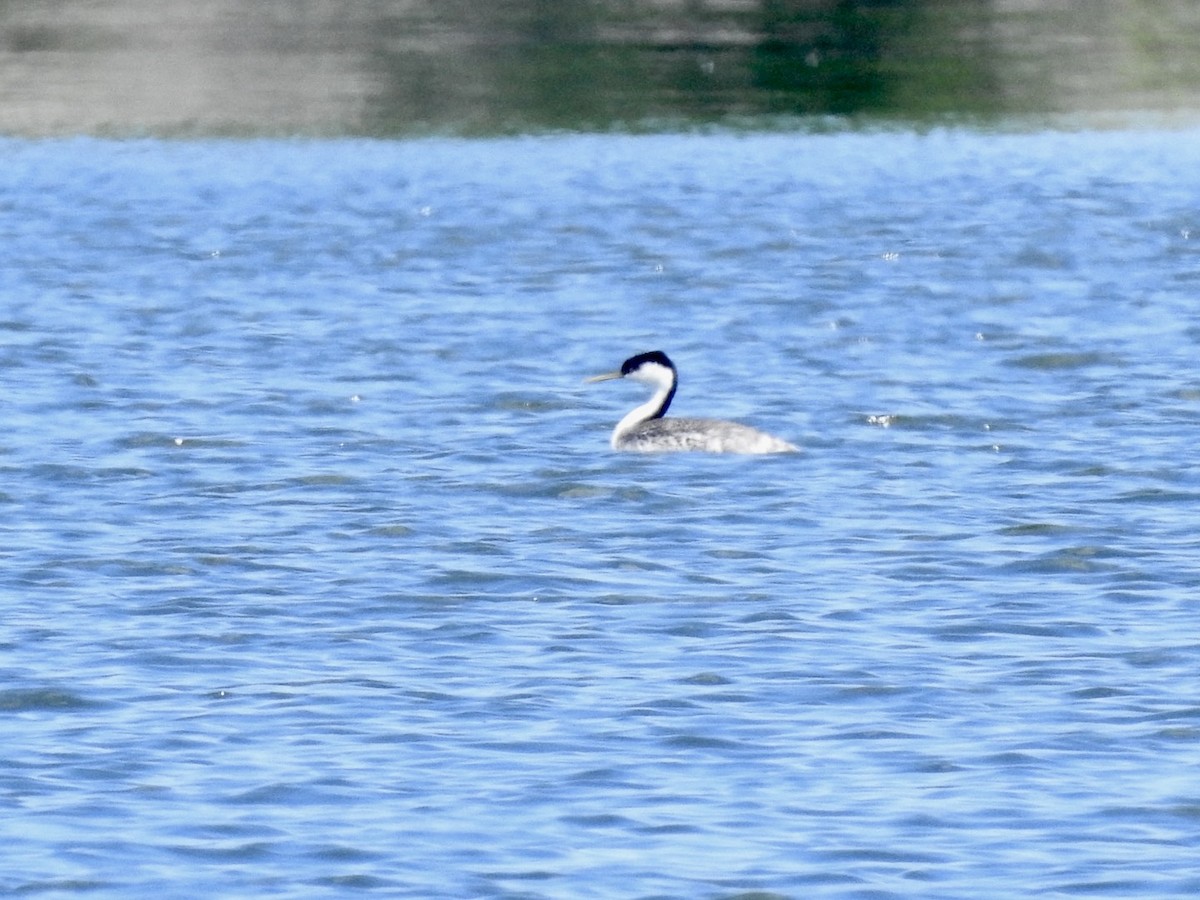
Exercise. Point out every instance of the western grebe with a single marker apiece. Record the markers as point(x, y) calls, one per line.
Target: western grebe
point(644, 429)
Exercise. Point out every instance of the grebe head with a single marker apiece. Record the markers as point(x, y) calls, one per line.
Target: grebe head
point(653, 368)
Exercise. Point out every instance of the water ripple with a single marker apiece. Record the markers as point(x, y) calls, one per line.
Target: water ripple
point(319, 574)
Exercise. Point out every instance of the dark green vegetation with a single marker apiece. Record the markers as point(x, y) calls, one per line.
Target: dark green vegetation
point(458, 66)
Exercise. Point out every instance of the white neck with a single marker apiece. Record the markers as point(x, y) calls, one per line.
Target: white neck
point(636, 417)
point(662, 380)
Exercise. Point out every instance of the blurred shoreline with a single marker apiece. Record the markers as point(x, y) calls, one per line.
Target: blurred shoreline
point(379, 67)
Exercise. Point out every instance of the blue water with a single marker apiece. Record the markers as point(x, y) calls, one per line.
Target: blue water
point(319, 578)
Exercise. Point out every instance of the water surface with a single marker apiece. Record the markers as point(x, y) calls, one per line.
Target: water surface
point(319, 577)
